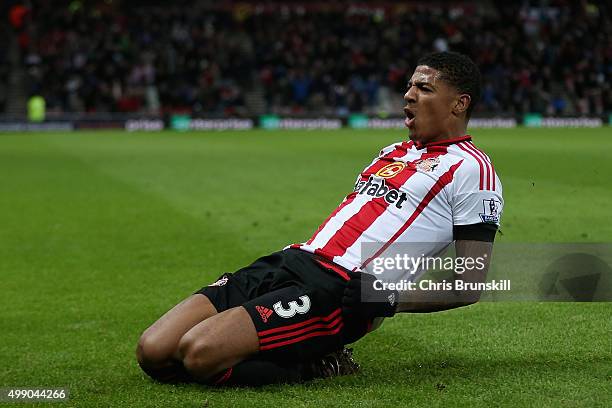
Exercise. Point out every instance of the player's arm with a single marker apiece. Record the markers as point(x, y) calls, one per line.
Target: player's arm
point(425, 301)
point(476, 215)
point(472, 241)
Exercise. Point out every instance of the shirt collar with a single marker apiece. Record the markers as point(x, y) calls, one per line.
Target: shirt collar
point(445, 142)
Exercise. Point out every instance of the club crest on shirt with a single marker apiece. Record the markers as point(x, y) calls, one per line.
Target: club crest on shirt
point(428, 164)
point(490, 210)
point(391, 170)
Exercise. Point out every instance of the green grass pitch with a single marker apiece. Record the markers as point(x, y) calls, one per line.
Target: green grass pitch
point(102, 232)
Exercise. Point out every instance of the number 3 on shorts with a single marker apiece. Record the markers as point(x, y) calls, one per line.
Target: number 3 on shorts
point(293, 308)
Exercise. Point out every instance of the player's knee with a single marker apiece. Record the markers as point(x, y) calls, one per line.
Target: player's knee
point(151, 350)
point(198, 356)
point(153, 358)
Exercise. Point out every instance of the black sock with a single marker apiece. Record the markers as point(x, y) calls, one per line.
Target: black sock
point(256, 372)
point(173, 372)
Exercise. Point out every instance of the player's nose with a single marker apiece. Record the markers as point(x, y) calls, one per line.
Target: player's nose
point(410, 95)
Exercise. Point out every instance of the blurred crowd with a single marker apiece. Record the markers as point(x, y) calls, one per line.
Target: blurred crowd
point(4, 69)
point(331, 57)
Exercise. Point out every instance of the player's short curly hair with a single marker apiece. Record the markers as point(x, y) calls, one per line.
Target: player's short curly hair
point(459, 71)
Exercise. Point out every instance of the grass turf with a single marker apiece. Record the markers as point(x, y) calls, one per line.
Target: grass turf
point(102, 232)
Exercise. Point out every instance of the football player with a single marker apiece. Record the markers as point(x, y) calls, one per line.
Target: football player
point(288, 316)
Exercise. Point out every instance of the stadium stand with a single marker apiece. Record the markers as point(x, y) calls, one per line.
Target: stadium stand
point(246, 58)
point(4, 78)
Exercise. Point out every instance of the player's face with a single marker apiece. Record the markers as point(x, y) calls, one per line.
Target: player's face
point(429, 106)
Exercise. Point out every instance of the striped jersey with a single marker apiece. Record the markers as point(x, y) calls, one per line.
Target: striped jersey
point(410, 193)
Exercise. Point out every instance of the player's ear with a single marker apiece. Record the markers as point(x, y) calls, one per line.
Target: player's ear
point(462, 104)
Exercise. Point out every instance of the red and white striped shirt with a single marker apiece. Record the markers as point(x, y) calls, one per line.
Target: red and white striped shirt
point(410, 194)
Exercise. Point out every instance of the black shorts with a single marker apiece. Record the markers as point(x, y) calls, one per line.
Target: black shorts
point(295, 302)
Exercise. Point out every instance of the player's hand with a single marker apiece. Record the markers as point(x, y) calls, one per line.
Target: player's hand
point(362, 299)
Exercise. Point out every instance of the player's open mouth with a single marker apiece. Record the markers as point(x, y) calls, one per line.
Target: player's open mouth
point(410, 117)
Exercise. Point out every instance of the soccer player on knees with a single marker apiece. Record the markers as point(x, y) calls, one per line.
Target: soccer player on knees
point(288, 316)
